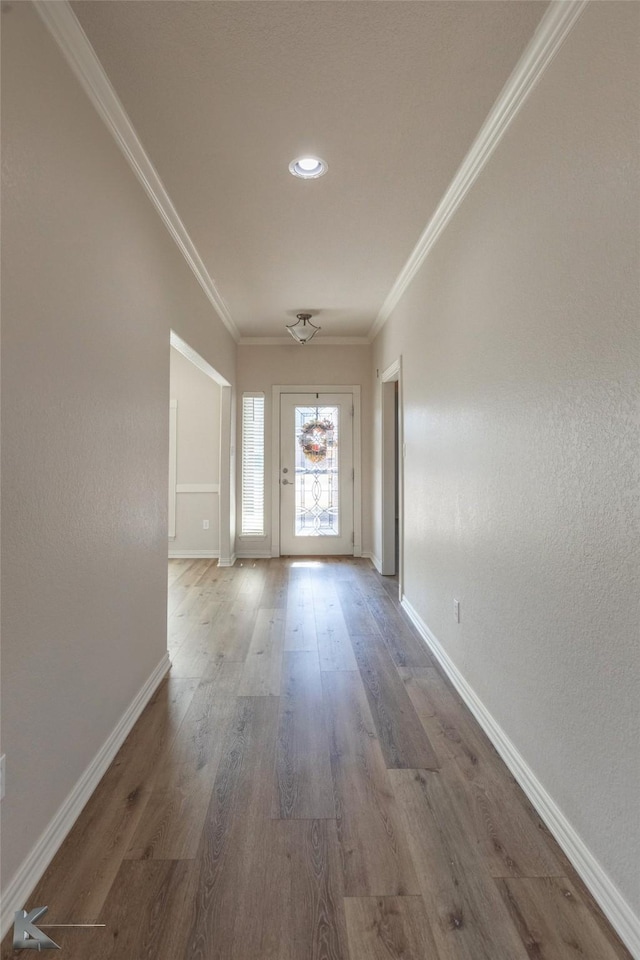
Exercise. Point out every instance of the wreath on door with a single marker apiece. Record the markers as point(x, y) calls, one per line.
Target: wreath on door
point(315, 438)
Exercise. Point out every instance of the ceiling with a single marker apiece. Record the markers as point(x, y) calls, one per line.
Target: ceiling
point(223, 95)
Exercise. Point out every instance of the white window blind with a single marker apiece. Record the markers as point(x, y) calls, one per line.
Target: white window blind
point(253, 465)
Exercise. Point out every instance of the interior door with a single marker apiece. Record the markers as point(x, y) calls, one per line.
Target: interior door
point(316, 474)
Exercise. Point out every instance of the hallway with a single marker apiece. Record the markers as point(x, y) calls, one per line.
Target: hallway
point(307, 785)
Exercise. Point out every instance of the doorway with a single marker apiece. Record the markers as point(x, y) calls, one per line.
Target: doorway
point(316, 471)
point(316, 474)
point(391, 472)
point(200, 492)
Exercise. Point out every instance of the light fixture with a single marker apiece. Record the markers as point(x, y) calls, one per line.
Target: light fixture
point(303, 330)
point(308, 168)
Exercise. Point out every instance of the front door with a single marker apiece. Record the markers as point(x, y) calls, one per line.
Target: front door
point(316, 473)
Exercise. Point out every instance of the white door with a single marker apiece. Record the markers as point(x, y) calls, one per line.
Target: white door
point(316, 473)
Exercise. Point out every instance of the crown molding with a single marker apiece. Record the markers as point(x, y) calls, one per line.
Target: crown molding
point(288, 342)
point(546, 41)
point(65, 28)
point(67, 32)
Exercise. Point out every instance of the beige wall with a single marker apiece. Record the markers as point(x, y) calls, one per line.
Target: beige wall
point(261, 367)
point(91, 285)
point(519, 342)
point(520, 348)
point(197, 457)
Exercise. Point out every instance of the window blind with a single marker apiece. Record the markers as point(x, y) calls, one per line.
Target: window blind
point(252, 465)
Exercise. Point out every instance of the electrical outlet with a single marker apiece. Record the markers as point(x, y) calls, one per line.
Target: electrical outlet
point(205, 524)
point(456, 611)
point(2, 775)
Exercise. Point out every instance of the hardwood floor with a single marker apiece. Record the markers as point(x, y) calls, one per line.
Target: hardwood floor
point(306, 785)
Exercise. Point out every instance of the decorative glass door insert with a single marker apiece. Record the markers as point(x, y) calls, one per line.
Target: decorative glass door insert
point(316, 478)
point(317, 487)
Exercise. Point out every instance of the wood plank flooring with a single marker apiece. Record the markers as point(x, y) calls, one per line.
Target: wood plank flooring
point(306, 785)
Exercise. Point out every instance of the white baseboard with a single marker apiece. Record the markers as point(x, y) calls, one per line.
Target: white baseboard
point(374, 560)
point(253, 555)
point(620, 915)
point(193, 554)
point(227, 561)
point(31, 871)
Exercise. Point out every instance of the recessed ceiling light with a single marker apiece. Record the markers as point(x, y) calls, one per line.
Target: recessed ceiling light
point(309, 168)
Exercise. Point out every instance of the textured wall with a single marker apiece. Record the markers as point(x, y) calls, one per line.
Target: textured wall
point(198, 454)
point(520, 346)
point(259, 368)
point(91, 285)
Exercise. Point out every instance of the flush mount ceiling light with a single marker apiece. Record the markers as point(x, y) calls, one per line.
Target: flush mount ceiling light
point(308, 168)
point(303, 330)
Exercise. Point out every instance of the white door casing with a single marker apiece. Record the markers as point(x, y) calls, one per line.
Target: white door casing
point(392, 445)
point(316, 473)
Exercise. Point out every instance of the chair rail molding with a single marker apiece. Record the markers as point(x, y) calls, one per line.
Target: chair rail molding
point(197, 488)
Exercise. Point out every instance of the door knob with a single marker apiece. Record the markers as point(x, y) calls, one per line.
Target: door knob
point(285, 482)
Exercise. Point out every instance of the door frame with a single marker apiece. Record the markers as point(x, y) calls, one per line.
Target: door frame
point(392, 445)
point(276, 392)
point(226, 488)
